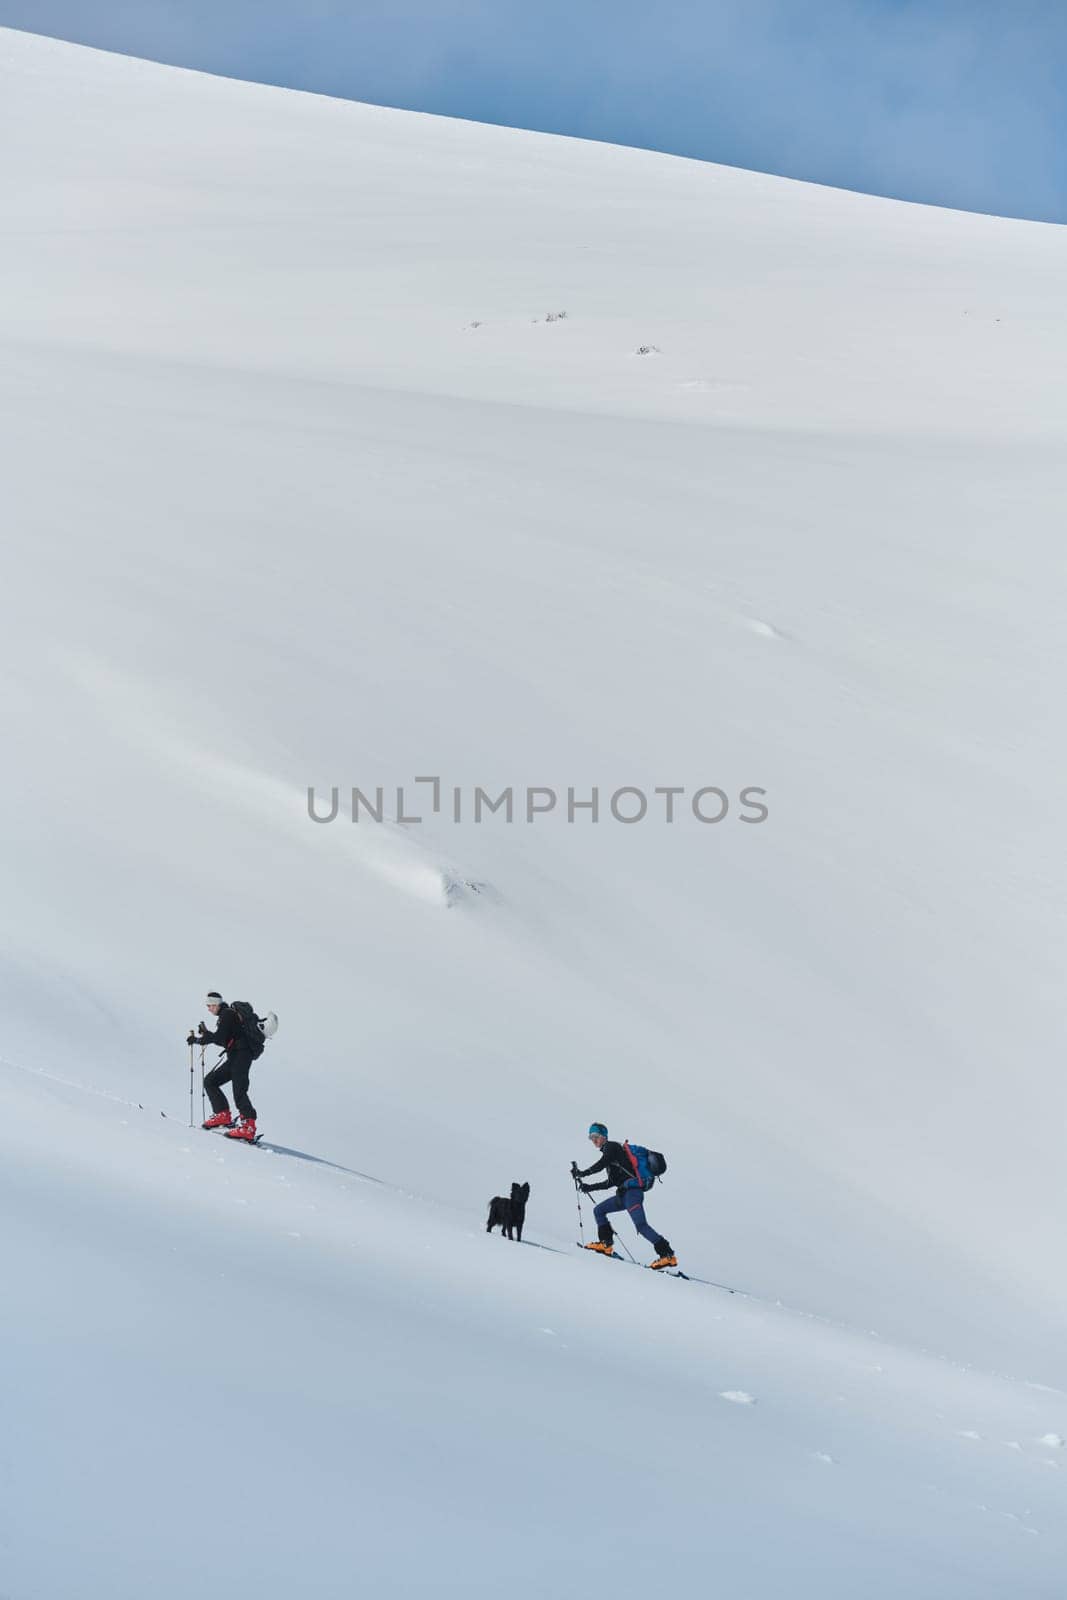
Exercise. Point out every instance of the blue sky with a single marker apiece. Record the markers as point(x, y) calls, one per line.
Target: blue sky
point(955, 102)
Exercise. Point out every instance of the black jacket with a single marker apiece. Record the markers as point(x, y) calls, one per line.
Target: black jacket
point(615, 1162)
point(228, 1034)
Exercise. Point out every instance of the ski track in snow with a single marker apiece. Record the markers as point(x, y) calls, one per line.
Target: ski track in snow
point(312, 1203)
point(736, 1396)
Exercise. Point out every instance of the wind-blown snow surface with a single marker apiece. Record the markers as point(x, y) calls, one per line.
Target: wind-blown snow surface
point(277, 514)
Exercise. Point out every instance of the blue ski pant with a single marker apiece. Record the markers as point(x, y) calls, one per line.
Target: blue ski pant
point(632, 1201)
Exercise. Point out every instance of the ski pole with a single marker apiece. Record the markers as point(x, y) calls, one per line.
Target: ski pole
point(578, 1197)
point(623, 1243)
point(190, 1083)
point(581, 1232)
point(203, 1107)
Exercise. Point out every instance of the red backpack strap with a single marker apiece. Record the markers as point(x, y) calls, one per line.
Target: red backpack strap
point(632, 1160)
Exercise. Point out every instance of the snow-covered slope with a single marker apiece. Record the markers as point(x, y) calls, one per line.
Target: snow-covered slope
point(242, 1374)
point(278, 513)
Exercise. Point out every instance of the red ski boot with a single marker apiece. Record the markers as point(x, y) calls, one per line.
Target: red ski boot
point(221, 1119)
point(245, 1129)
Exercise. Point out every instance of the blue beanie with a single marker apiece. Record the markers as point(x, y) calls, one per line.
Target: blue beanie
point(599, 1128)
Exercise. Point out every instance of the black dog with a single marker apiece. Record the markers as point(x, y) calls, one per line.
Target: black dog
point(509, 1215)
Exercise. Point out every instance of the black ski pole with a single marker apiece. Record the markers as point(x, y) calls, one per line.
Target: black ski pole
point(190, 1083)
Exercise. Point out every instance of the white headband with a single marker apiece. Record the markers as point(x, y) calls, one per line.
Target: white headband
point(215, 1000)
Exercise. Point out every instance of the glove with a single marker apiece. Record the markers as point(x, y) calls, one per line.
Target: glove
point(574, 1169)
point(584, 1187)
point(191, 1039)
point(202, 1031)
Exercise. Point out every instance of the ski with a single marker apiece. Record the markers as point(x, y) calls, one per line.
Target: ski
point(661, 1272)
point(275, 1149)
point(168, 1118)
point(709, 1283)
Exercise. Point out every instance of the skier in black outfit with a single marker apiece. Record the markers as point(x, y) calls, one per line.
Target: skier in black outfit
point(233, 1068)
point(629, 1196)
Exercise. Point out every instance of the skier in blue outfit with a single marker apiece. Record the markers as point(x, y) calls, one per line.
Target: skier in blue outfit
point(629, 1196)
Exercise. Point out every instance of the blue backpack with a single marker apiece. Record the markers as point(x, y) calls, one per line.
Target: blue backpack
point(648, 1165)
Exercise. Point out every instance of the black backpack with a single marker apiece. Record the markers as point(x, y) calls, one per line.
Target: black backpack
point(255, 1031)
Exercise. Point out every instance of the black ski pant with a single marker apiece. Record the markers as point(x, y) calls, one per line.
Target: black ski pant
point(233, 1068)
